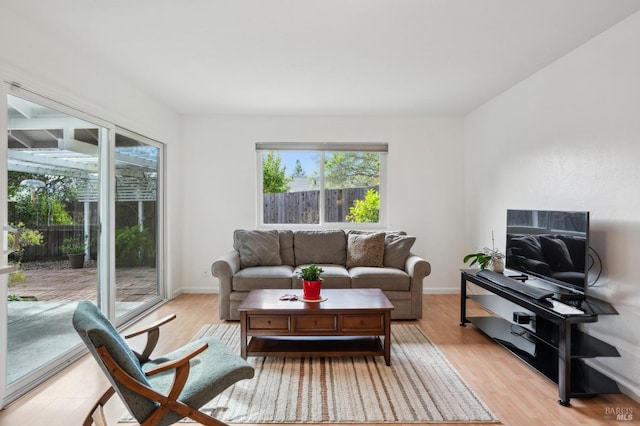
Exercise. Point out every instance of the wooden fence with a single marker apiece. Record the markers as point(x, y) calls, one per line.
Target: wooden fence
point(303, 206)
point(54, 236)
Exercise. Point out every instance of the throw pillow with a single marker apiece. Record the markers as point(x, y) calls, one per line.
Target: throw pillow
point(576, 246)
point(320, 247)
point(257, 247)
point(365, 250)
point(396, 249)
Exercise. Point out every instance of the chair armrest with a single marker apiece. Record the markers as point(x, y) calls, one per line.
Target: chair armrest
point(176, 363)
point(150, 327)
point(153, 334)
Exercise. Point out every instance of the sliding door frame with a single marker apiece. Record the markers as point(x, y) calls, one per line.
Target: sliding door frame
point(106, 281)
point(160, 226)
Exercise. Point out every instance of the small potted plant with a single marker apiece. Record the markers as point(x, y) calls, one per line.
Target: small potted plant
point(311, 281)
point(74, 248)
point(488, 258)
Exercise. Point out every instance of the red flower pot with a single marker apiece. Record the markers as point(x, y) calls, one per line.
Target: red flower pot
point(311, 289)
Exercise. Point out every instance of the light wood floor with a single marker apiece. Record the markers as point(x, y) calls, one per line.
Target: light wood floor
point(517, 394)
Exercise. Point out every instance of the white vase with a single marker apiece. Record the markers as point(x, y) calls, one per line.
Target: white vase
point(497, 265)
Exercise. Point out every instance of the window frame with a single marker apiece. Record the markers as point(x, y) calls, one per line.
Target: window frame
point(321, 148)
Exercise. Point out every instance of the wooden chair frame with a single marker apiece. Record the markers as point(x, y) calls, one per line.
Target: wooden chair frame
point(167, 402)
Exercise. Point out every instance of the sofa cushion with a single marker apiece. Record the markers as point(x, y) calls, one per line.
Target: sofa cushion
point(397, 248)
point(257, 247)
point(286, 247)
point(382, 278)
point(328, 247)
point(365, 249)
point(258, 277)
point(528, 247)
point(536, 266)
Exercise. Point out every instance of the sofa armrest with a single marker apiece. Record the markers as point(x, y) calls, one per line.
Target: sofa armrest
point(224, 269)
point(417, 268)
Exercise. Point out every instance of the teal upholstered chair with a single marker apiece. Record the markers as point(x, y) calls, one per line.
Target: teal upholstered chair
point(163, 390)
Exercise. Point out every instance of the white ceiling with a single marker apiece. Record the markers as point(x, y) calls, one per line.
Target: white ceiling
point(336, 57)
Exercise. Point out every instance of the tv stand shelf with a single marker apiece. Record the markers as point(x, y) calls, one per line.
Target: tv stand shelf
point(550, 341)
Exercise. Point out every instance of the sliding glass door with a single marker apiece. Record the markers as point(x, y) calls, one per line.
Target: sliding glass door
point(83, 221)
point(138, 212)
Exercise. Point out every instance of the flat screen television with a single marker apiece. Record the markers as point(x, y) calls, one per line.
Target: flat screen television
point(551, 245)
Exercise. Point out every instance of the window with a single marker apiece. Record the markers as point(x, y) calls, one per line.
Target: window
point(321, 183)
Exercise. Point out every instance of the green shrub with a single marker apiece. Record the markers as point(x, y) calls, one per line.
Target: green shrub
point(17, 278)
point(28, 237)
point(133, 246)
point(367, 210)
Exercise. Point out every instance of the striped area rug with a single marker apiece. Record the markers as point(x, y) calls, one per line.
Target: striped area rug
point(421, 386)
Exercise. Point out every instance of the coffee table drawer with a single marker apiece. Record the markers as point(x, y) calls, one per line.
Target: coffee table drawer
point(268, 322)
point(363, 323)
point(315, 323)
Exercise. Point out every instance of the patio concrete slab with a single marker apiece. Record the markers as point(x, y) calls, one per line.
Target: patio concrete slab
point(39, 332)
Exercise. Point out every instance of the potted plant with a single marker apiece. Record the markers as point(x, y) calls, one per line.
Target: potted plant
point(488, 258)
point(134, 246)
point(74, 248)
point(311, 281)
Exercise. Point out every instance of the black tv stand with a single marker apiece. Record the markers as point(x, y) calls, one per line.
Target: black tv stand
point(577, 303)
point(543, 335)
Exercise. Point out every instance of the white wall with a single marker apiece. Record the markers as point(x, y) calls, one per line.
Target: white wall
point(569, 138)
point(423, 179)
point(80, 79)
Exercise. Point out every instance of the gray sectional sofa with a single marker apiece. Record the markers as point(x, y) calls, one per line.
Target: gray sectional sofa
point(263, 259)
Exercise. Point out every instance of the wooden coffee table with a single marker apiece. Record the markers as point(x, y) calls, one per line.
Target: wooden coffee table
point(349, 322)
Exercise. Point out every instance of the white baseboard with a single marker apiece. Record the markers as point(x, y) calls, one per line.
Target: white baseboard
point(440, 290)
point(201, 290)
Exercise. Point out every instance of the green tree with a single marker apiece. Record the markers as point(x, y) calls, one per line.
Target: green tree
point(274, 174)
point(367, 210)
point(298, 171)
point(42, 205)
point(352, 169)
